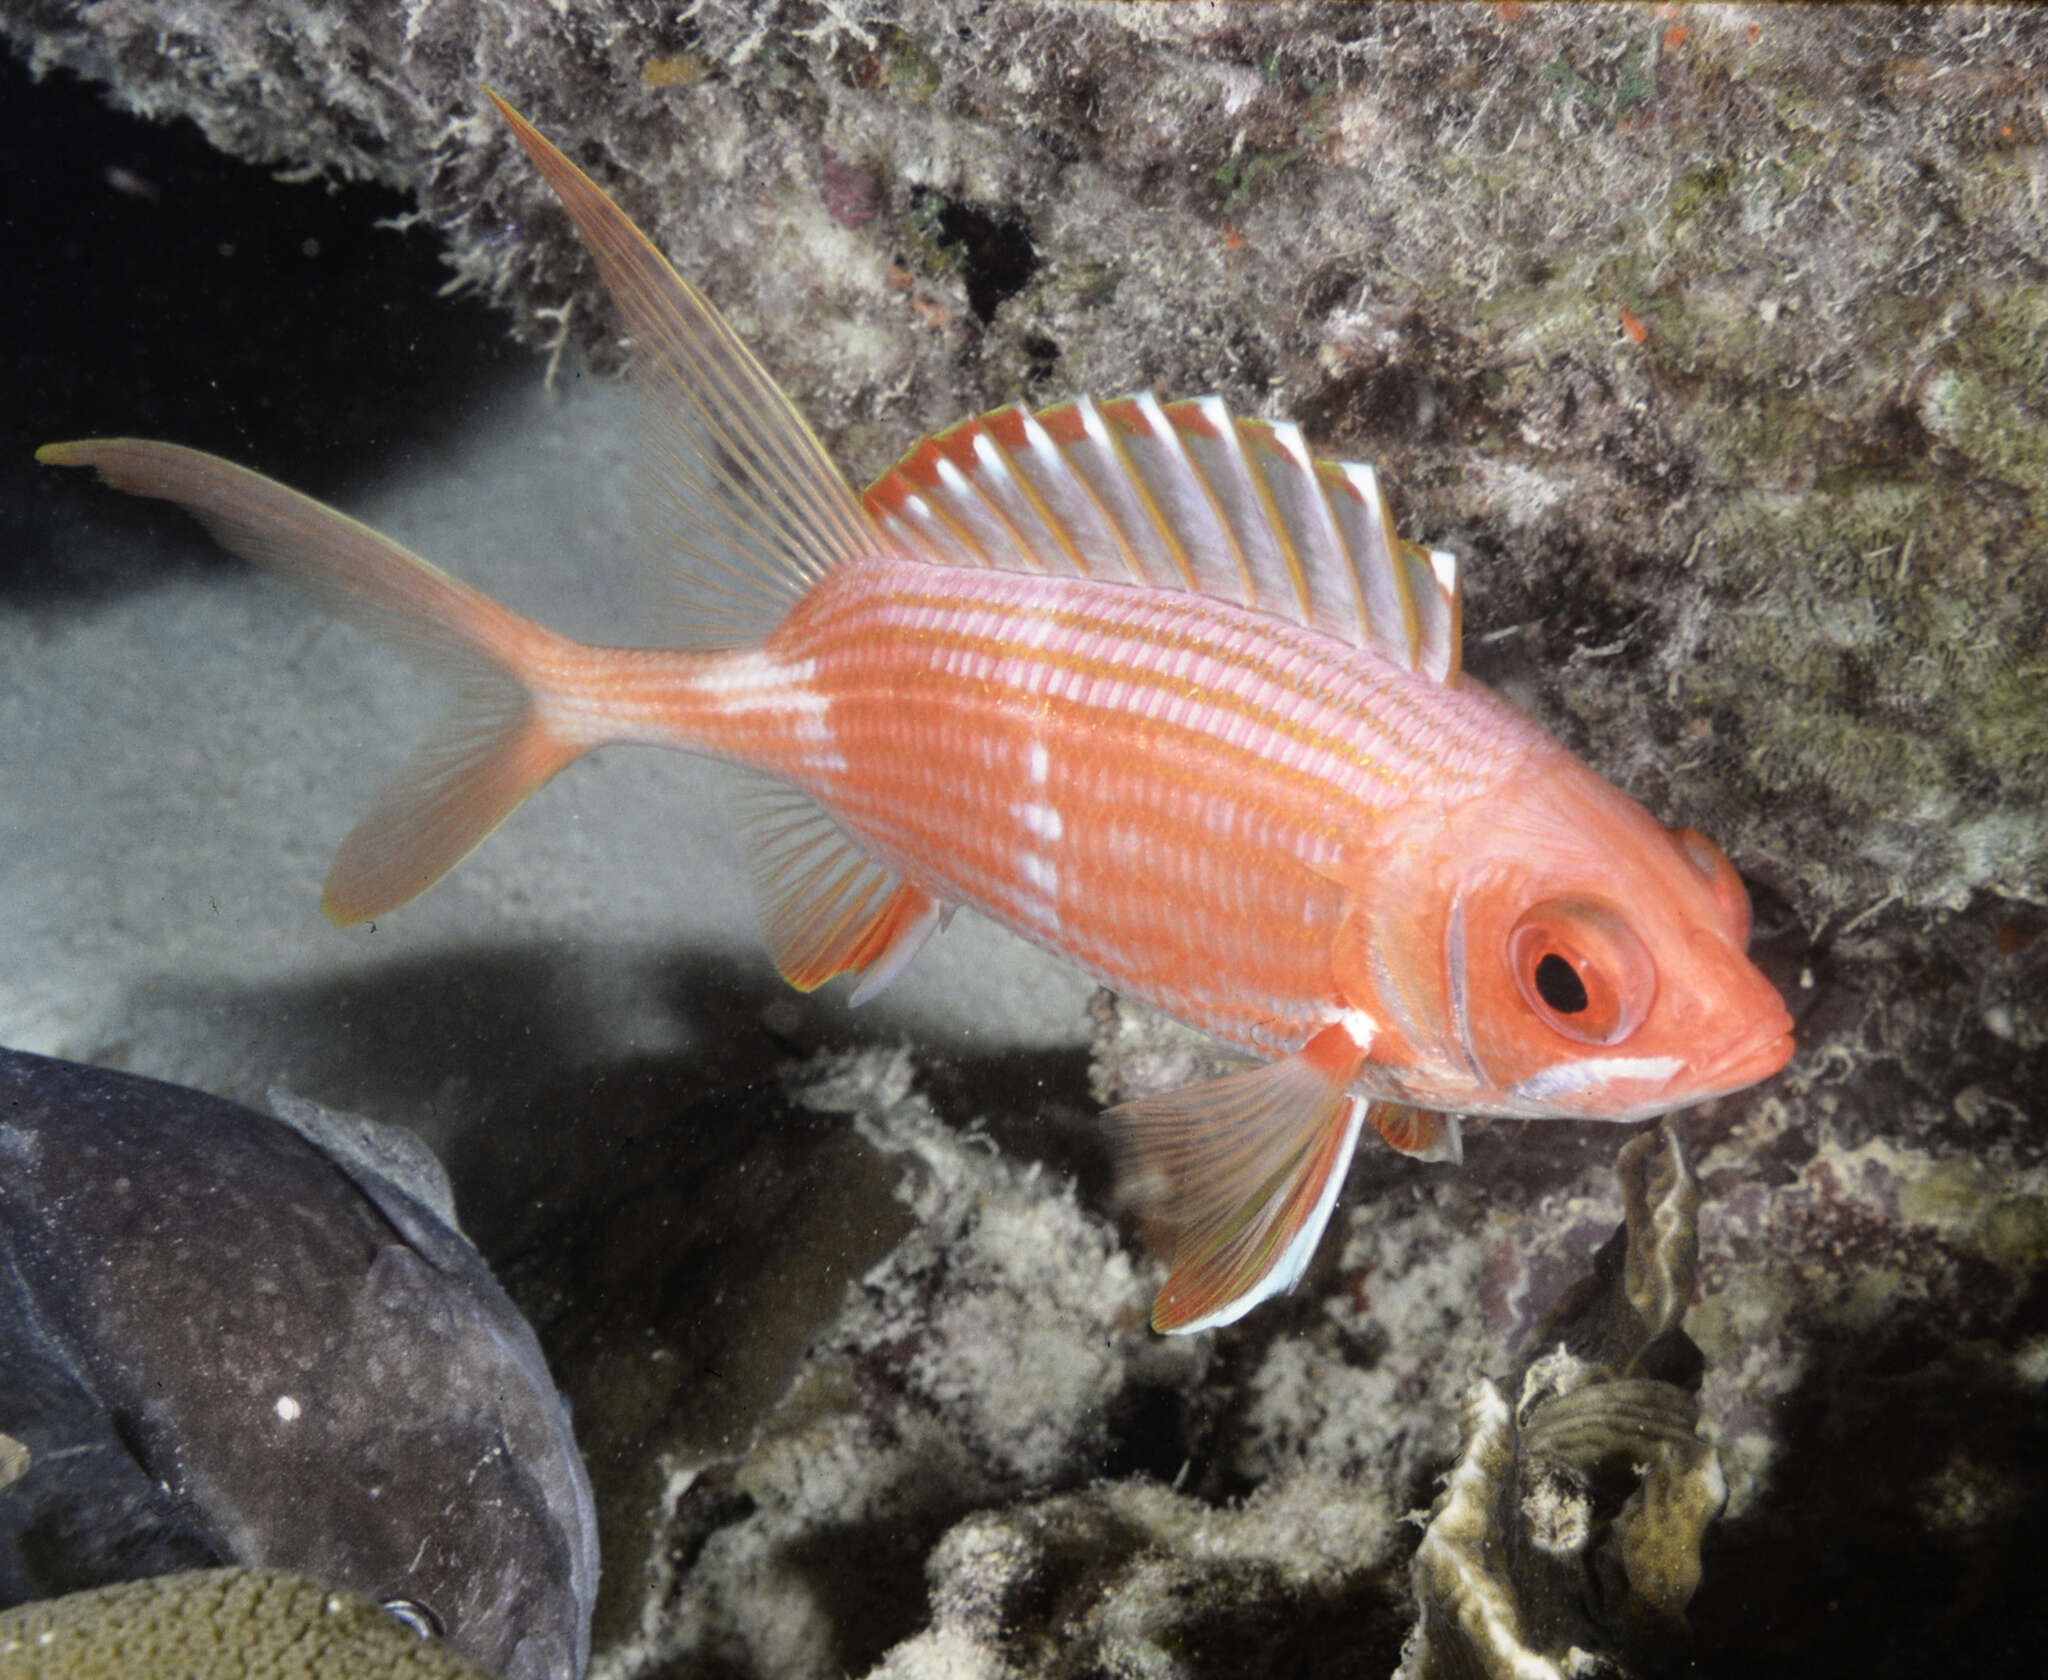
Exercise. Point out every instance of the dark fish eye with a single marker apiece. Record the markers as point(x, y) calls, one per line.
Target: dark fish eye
point(1559, 985)
point(1582, 972)
point(415, 1615)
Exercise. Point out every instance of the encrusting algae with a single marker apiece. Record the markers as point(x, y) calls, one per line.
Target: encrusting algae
point(1567, 1538)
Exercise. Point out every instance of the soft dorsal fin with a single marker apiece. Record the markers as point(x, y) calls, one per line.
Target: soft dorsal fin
point(743, 506)
point(1179, 495)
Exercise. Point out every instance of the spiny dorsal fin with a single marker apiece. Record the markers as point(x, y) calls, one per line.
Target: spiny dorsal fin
point(1182, 495)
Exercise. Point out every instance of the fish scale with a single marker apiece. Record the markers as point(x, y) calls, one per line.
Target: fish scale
point(1238, 763)
point(1146, 682)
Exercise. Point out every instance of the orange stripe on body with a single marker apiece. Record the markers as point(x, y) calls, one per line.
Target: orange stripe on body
point(1153, 785)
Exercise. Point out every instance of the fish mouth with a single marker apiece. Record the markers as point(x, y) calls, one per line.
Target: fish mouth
point(1754, 1057)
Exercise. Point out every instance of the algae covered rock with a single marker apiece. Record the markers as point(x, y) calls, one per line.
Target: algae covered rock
point(1567, 1538)
point(986, 1462)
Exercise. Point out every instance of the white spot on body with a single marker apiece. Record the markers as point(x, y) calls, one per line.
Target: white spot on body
point(747, 683)
point(751, 680)
point(1042, 820)
point(1041, 763)
point(1039, 873)
point(1358, 1026)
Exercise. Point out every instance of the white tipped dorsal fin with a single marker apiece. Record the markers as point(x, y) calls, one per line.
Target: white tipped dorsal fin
point(744, 507)
point(1178, 496)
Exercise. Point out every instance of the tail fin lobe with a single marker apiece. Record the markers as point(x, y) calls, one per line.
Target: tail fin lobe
point(491, 751)
point(488, 754)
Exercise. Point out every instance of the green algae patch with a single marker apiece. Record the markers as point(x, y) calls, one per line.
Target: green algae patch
point(1870, 640)
point(1972, 1206)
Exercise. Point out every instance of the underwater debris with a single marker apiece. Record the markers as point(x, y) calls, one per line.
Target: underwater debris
point(219, 1344)
point(219, 1624)
point(1567, 1538)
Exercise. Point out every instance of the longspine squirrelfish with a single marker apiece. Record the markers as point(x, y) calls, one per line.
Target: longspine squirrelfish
point(1148, 684)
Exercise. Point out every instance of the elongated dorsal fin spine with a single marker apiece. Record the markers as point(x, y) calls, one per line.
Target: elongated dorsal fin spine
point(1178, 496)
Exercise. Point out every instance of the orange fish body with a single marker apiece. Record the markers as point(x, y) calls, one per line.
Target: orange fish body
point(1148, 685)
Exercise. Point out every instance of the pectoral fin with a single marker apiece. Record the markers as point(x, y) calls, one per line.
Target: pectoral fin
point(1241, 1174)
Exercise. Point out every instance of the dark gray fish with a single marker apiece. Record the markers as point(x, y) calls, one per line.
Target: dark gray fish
point(310, 1369)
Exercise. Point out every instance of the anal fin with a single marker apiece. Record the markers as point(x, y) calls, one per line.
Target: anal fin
point(1420, 1132)
point(909, 919)
point(828, 907)
point(1241, 1174)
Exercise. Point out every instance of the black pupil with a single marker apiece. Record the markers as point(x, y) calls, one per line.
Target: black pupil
point(1559, 985)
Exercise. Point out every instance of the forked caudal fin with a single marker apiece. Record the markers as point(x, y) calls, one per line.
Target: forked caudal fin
point(746, 505)
point(492, 750)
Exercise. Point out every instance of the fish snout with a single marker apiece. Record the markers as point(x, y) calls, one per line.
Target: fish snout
point(1753, 1056)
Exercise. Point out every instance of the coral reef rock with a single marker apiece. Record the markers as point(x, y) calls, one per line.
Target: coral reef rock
point(1567, 1539)
point(219, 1624)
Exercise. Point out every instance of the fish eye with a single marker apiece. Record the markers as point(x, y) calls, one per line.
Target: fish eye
point(410, 1612)
point(1730, 896)
point(1582, 971)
